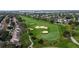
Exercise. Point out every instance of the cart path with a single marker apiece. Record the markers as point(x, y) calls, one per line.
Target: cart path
point(31, 45)
point(74, 40)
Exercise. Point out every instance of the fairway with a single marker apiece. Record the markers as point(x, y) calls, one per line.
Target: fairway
point(54, 37)
point(53, 30)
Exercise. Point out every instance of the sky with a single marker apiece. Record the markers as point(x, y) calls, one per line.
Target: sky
point(39, 5)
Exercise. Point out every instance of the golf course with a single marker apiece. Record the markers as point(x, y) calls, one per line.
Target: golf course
point(45, 34)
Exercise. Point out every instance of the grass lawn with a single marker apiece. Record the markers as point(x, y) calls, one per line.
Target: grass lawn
point(54, 37)
point(77, 34)
point(53, 31)
point(52, 28)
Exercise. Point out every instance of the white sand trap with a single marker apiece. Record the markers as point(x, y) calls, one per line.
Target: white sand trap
point(41, 27)
point(37, 27)
point(31, 29)
point(45, 27)
point(45, 32)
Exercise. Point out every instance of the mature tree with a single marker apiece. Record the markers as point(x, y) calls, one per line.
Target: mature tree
point(41, 41)
point(66, 34)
